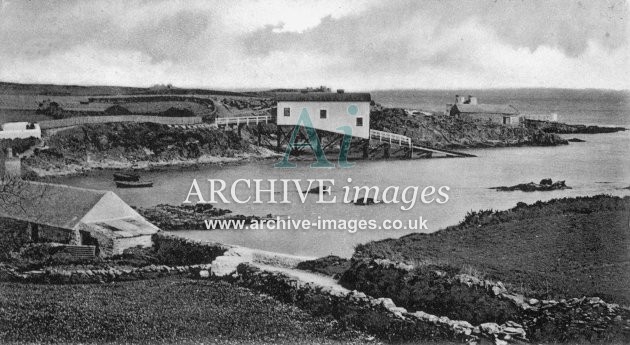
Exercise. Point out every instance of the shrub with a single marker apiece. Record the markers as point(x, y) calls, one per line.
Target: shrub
point(179, 251)
point(430, 289)
point(12, 237)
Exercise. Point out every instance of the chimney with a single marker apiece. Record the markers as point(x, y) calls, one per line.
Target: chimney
point(340, 90)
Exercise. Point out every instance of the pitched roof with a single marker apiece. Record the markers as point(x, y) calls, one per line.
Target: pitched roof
point(124, 227)
point(49, 204)
point(487, 108)
point(323, 97)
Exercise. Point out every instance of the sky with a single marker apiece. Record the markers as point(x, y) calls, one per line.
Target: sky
point(351, 44)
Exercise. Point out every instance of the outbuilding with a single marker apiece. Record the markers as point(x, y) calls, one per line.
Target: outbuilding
point(20, 130)
point(468, 107)
point(328, 111)
point(77, 216)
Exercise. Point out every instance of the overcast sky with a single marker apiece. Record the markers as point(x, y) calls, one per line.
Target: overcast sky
point(359, 45)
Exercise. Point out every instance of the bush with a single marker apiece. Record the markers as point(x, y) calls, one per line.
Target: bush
point(179, 251)
point(12, 237)
point(429, 289)
point(177, 112)
point(52, 109)
point(330, 265)
point(137, 257)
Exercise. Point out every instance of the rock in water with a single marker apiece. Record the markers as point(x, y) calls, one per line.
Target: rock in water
point(364, 201)
point(544, 185)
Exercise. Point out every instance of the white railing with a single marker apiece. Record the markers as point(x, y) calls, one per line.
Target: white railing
point(224, 121)
point(553, 117)
point(392, 138)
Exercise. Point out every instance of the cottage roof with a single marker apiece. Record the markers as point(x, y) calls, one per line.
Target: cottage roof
point(487, 108)
point(323, 97)
point(124, 227)
point(49, 204)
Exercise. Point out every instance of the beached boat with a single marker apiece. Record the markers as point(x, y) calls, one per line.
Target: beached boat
point(126, 177)
point(134, 184)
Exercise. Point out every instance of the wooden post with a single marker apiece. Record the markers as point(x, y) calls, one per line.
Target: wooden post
point(366, 148)
point(278, 137)
point(259, 126)
point(386, 150)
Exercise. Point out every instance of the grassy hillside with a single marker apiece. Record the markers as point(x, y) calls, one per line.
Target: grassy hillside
point(557, 249)
point(82, 90)
point(167, 310)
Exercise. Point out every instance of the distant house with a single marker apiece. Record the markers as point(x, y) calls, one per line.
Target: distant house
point(21, 130)
point(328, 111)
point(77, 216)
point(468, 107)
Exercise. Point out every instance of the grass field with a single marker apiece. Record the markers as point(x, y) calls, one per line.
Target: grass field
point(13, 115)
point(167, 310)
point(158, 107)
point(561, 248)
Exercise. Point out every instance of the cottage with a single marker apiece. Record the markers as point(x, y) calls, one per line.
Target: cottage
point(77, 216)
point(468, 107)
point(328, 111)
point(20, 130)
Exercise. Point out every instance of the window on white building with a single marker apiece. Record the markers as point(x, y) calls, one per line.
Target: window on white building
point(287, 112)
point(323, 113)
point(359, 122)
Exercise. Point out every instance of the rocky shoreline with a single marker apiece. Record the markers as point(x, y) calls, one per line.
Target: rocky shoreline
point(563, 128)
point(544, 186)
point(191, 217)
point(149, 146)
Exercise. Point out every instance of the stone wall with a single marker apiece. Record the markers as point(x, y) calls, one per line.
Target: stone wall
point(75, 121)
point(175, 250)
point(104, 244)
point(546, 320)
point(53, 234)
point(377, 316)
point(428, 288)
point(100, 275)
point(560, 320)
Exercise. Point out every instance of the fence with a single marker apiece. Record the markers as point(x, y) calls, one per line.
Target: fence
point(237, 120)
point(553, 117)
point(74, 121)
point(391, 137)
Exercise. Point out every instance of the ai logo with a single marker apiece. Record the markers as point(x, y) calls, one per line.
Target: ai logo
point(314, 142)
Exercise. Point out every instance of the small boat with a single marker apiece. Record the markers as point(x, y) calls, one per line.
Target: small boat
point(134, 184)
point(126, 177)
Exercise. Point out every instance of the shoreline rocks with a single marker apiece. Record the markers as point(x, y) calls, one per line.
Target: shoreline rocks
point(190, 217)
point(544, 185)
point(563, 128)
point(576, 140)
point(365, 202)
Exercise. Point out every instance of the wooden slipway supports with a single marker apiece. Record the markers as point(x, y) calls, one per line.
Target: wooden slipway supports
point(391, 148)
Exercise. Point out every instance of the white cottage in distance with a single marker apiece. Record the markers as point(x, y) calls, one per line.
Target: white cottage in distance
point(328, 111)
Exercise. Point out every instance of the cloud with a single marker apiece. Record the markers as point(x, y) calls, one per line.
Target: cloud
point(352, 44)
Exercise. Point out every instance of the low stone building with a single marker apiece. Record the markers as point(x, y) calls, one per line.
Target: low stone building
point(20, 130)
point(77, 216)
point(469, 107)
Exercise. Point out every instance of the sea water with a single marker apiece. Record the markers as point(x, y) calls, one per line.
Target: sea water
point(601, 165)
